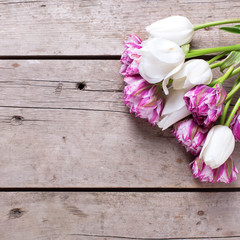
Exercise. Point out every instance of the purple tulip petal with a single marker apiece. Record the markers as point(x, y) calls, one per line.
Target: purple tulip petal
point(205, 103)
point(143, 98)
point(130, 59)
point(226, 173)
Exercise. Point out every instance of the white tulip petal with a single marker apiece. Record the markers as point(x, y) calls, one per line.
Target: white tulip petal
point(175, 28)
point(160, 59)
point(193, 72)
point(172, 118)
point(218, 146)
point(174, 101)
point(164, 86)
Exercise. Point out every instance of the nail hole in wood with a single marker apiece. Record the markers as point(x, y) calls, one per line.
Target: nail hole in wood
point(16, 213)
point(200, 213)
point(17, 120)
point(81, 85)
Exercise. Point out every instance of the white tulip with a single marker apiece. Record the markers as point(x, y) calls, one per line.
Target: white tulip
point(174, 110)
point(218, 146)
point(193, 72)
point(176, 28)
point(160, 59)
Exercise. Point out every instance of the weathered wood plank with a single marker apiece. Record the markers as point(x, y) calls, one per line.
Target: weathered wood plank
point(69, 27)
point(55, 135)
point(149, 216)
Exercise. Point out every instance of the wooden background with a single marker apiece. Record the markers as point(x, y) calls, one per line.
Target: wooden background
point(74, 164)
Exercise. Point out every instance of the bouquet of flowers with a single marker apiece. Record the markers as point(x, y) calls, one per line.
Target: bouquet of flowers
point(166, 88)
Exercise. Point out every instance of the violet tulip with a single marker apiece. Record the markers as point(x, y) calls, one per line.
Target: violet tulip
point(190, 135)
point(143, 99)
point(235, 125)
point(130, 59)
point(226, 173)
point(205, 103)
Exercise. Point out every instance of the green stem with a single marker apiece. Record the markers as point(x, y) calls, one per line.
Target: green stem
point(215, 65)
point(235, 108)
point(217, 57)
point(234, 89)
point(221, 79)
point(228, 102)
point(204, 51)
point(210, 24)
point(236, 71)
point(224, 113)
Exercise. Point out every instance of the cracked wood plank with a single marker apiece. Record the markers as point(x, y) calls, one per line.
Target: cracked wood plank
point(56, 135)
point(112, 216)
point(69, 27)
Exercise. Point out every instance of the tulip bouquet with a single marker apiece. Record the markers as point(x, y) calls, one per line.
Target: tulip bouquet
point(167, 89)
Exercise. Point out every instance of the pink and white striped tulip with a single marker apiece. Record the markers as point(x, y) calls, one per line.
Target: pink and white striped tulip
point(226, 173)
point(205, 103)
point(177, 29)
point(130, 59)
point(143, 99)
point(235, 125)
point(190, 135)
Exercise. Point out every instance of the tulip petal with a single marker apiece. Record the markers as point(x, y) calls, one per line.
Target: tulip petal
point(175, 28)
point(172, 118)
point(193, 72)
point(160, 58)
point(218, 146)
point(174, 101)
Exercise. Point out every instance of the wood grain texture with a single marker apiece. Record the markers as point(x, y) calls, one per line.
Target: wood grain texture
point(98, 27)
point(55, 135)
point(112, 216)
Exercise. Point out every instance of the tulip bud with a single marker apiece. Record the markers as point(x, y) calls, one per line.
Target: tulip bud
point(160, 59)
point(226, 173)
point(177, 29)
point(174, 110)
point(130, 59)
point(143, 98)
point(190, 135)
point(193, 72)
point(235, 125)
point(205, 103)
point(218, 146)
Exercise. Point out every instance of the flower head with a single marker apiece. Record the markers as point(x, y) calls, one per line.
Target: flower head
point(130, 59)
point(235, 125)
point(218, 146)
point(160, 59)
point(194, 72)
point(143, 98)
point(205, 103)
point(174, 110)
point(190, 135)
point(226, 173)
point(177, 29)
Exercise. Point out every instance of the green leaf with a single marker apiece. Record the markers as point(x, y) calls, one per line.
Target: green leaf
point(232, 29)
point(232, 59)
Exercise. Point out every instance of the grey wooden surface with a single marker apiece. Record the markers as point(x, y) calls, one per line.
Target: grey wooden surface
point(75, 164)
